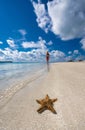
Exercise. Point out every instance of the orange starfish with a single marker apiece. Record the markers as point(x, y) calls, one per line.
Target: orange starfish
point(46, 103)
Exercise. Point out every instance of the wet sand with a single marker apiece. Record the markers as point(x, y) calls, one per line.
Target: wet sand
point(65, 81)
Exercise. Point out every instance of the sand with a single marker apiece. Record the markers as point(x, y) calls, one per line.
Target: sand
point(65, 81)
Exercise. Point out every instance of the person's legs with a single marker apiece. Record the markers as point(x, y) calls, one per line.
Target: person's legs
point(47, 58)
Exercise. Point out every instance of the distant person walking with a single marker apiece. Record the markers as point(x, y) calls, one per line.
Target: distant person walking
point(47, 57)
point(47, 60)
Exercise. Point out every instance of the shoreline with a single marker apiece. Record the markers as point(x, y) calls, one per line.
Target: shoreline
point(16, 72)
point(8, 93)
point(64, 81)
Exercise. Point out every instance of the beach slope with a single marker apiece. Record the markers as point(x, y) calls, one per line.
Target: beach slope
point(64, 81)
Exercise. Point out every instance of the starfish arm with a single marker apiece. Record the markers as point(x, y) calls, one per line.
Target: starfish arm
point(54, 100)
point(41, 109)
point(38, 101)
point(47, 97)
point(50, 107)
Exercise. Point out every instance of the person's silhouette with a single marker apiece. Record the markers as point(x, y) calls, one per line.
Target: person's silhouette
point(47, 57)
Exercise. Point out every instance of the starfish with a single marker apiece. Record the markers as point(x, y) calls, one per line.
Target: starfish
point(46, 103)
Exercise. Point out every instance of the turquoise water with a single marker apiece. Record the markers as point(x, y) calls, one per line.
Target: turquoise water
point(11, 73)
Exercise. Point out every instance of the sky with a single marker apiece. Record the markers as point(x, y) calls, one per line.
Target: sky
point(29, 28)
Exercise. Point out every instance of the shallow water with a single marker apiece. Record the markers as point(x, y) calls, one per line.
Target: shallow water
point(15, 76)
point(11, 73)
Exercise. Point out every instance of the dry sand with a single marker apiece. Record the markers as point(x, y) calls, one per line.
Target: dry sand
point(65, 81)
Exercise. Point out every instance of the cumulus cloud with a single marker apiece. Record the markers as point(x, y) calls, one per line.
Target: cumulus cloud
point(14, 55)
point(11, 43)
point(30, 45)
point(43, 18)
point(37, 52)
point(57, 55)
point(35, 55)
point(9, 54)
point(40, 44)
point(1, 55)
point(66, 18)
point(73, 55)
point(68, 58)
point(75, 52)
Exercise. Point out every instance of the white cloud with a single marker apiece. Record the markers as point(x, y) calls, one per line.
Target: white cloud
point(50, 43)
point(83, 43)
point(57, 55)
point(40, 44)
point(35, 55)
point(68, 58)
point(22, 32)
point(1, 55)
point(80, 57)
point(15, 55)
point(30, 45)
point(8, 54)
point(65, 18)
point(11, 43)
point(73, 55)
point(1, 42)
point(38, 49)
point(76, 52)
point(43, 18)
point(68, 18)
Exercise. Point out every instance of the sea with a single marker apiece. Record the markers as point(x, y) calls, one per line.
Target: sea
point(14, 76)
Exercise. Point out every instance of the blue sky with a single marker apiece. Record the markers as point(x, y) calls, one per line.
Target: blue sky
point(28, 28)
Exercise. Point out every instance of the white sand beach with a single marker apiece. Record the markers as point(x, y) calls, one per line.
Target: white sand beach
point(65, 81)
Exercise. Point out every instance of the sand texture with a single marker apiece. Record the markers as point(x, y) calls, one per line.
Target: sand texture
point(65, 81)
